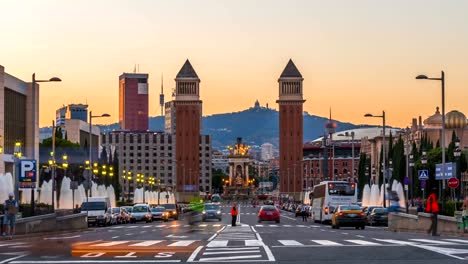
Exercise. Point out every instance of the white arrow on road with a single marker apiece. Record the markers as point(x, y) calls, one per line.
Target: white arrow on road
point(176, 236)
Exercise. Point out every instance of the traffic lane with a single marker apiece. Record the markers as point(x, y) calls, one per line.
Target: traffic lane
point(336, 255)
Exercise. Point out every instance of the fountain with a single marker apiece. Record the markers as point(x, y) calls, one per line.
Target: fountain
point(374, 195)
point(6, 186)
point(366, 192)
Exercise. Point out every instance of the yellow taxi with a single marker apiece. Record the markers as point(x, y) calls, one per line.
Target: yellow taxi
point(348, 215)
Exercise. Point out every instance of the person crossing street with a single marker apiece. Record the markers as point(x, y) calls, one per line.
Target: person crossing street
point(234, 215)
point(432, 207)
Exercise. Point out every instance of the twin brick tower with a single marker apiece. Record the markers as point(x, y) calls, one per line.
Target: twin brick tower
point(185, 114)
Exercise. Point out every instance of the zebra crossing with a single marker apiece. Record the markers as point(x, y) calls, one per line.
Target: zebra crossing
point(14, 245)
point(164, 226)
point(368, 242)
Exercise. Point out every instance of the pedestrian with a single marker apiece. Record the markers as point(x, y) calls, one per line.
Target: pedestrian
point(304, 213)
point(234, 215)
point(432, 207)
point(9, 221)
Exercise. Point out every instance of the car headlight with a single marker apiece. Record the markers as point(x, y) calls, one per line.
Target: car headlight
point(203, 212)
point(218, 212)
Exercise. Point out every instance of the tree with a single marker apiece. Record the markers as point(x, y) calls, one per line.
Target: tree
point(380, 167)
point(115, 179)
point(362, 174)
point(217, 179)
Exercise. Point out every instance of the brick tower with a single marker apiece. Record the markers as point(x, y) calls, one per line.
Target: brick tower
point(291, 131)
point(188, 112)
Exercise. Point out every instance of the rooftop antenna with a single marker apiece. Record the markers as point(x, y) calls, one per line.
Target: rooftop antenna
point(161, 96)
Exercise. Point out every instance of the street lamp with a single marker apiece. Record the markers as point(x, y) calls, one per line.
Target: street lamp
point(17, 154)
point(442, 80)
point(384, 153)
point(91, 116)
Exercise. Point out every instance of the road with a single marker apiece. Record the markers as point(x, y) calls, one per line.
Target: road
point(291, 241)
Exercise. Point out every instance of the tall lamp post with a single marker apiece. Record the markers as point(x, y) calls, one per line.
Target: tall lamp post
point(91, 116)
point(384, 154)
point(442, 80)
point(17, 154)
point(457, 154)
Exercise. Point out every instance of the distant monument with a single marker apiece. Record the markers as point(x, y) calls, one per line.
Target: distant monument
point(240, 186)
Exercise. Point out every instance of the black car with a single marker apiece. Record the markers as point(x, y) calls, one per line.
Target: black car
point(378, 216)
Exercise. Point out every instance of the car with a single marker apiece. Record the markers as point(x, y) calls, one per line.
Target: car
point(368, 210)
point(98, 210)
point(159, 213)
point(378, 216)
point(117, 217)
point(141, 212)
point(171, 210)
point(211, 211)
point(348, 215)
point(268, 213)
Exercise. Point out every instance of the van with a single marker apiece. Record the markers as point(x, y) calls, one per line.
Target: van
point(98, 209)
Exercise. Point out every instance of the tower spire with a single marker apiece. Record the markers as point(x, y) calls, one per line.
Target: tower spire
point(161, 95)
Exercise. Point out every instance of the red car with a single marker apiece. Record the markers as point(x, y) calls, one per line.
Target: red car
point(269, 213)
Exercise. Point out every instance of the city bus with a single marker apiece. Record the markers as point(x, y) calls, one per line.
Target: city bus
point(329, 194)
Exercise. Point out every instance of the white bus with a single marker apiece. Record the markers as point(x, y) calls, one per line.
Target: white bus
point(329, 194)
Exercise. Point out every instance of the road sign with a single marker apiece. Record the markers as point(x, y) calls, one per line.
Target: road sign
point(450, 169)
point(28, 173)
point(406, 187)
point(406, 180)
point(423, 174)
point(423, 184)
point(73, 185)
point(453, 183)
point(87, 174)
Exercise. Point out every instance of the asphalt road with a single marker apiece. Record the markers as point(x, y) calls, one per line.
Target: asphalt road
point(291, 241)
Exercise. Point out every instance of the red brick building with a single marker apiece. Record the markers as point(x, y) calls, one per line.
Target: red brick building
point(133, 101)
point(291, 131)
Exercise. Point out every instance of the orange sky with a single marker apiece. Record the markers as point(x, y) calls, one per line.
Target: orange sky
point(355, 56)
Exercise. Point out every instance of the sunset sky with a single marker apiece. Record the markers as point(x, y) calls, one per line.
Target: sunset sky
point(355, 56)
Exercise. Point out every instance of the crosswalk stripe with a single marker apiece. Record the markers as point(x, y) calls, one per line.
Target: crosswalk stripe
point(253, 243)
point(231, 258)
point(132, 226)
point(300, 225)
point(290, 243)
point(146, 243)
point(230, 252)
point(175, 225)
point(202, 225)
point(287, 225)
point(457, 240)
point(432, 241)
point(231, 248)
point(392, 241)
point(218, 243)
point(160, 225)
point(146, 226)
point(326, 243)
point(182, 243)
point(259, 225)
point(273, 225)
point(362, 242)
point(108, 244)
point(216, 225)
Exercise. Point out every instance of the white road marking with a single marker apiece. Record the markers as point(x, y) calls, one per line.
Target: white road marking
point(88, 261)
point(393, 241)
point(273, 225)
point(194, 254)
point(129, 234)
point(432, 241)
point(360, 236)
point(146, 226)
point(217, 225)
point(290, 243)
point(55, 238)
point(182, 243)
point(300, 225)
point(289, 217)
point(231, 258)
point(160, 225)
point(230, 248)
point(202, 225)
point(457, 240)
point(326, 243)
point(253, 243)
point(451, 252)
point(287, 225)
point(363, 242)
point(345, 233)
point(114, 237)
point(230, 252)
point(259, 225)
point(218, 243)
point(108, 244)
point(146, 243)
point(175, 225)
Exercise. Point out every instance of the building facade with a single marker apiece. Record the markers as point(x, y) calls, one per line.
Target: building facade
point(291, 130)
point(19, 119)
point(71, 111)
point(267, 151)
point(133, 101)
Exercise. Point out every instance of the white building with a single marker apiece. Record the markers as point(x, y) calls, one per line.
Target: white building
point(267, 151)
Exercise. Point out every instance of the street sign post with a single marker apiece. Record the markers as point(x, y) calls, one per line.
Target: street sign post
point(406, 180)
point(423, 174)
point(450, 169)
point(453, 183)
point(423, 187)
point(28, 174)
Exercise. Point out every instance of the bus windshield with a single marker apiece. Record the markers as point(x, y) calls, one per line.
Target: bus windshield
point(341, 188)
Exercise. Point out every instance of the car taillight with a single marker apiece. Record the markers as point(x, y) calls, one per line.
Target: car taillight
point(362, 214)
point(326, 210)
point(340, 213)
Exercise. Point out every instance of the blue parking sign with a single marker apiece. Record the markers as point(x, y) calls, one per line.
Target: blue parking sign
point(27, 173)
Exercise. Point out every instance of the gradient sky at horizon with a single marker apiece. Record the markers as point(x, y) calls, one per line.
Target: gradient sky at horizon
point(356, 56)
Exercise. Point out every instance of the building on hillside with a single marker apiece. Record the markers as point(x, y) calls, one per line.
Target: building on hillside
point(19, 119)
point(71, 111)
point(267, 151)
point(133, 101)
point(219, 161)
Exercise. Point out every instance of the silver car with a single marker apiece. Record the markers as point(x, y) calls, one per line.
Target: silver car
point(211, 211)
point(141, 212)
